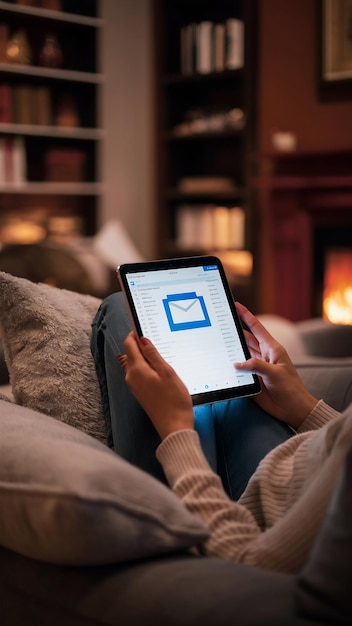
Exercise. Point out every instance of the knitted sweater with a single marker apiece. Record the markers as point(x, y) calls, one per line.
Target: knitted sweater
point(275, 522)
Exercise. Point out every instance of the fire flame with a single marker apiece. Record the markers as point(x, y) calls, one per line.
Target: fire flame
point(337, 296)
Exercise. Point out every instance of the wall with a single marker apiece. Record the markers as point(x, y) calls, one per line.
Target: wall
point(287, 100)
point(287, 91)
point(127, 117)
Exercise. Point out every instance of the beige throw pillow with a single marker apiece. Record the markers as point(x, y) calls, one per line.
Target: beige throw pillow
point(46, 333)
point(65, 498)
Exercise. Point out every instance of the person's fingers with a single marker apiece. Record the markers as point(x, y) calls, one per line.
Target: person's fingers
point(141, 352)
point(153, 357)
point(254, 325)
point(133, 352)
point(252, 344)
point(122, 359)
point(256, 366)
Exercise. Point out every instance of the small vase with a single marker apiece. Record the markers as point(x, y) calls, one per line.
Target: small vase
point(51, 54)
point(18, 49)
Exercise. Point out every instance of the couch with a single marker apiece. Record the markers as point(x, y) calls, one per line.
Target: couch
point(87, 539)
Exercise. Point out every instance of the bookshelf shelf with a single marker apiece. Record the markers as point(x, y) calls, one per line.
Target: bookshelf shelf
point(205, 127)
point(51, 73)
point(64, 189)
point(50, 114)
point(211, 196)
point(93, 134)
point(58, 16)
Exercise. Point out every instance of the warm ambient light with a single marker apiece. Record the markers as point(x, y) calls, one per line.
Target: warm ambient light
point(20, 231)
point(238, 263)
point(337, 296)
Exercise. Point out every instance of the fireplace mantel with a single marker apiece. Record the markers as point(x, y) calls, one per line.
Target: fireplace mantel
point(297, 193)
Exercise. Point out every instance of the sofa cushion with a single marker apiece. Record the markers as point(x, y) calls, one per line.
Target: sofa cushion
point(176, 590)
point(324, 585)
point(65, 498)
point(324, 339)
point(45, 333)
point(329, 379)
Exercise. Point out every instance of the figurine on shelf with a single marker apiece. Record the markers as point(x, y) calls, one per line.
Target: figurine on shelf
point(18, 49)
point(67, 111)
point(51, 53)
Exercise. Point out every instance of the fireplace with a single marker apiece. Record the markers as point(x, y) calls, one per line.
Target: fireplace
point(305, 206)
point(333, 274)
point(337, 294)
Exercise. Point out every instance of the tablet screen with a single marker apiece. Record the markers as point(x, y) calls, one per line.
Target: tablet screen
point(185, 307)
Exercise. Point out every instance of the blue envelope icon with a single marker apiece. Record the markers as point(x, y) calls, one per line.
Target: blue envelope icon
point(185, 311)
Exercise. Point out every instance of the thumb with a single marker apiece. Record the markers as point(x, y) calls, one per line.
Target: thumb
point(151, 354)
point(254, 366)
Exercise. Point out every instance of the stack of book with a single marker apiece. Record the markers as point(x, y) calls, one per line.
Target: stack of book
point(25, 104)
point(209, 47)
point(210, 227)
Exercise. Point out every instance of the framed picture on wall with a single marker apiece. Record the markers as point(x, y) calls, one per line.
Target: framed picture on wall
point(335, 17)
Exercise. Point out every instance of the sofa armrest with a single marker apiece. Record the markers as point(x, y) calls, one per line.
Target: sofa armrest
point(328, 379)
point(323, 339)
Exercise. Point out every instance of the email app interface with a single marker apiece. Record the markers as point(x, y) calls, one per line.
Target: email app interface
point(185, 313)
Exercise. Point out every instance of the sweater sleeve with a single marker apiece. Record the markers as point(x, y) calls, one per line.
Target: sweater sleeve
point(279, 537)
point(195, 483)
point(322, 414)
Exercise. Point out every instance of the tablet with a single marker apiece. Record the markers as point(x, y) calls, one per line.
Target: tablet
point(185, 307)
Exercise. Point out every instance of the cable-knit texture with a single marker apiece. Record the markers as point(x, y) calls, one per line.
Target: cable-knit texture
point(277, 518)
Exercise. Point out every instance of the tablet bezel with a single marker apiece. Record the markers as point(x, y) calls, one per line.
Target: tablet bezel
point(184, 262)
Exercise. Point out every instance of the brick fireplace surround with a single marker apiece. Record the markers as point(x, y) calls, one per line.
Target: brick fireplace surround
point(299, 193)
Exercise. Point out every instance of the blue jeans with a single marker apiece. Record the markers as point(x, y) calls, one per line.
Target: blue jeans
point(235, 434)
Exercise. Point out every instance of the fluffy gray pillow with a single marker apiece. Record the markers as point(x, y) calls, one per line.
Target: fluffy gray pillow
point(67, 499)
point(45, 333)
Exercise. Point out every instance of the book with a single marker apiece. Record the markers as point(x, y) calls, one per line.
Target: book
point(221, 228)
point(188, 49)
point(12, 161)
point(19, 174)
point(187, 221)
point(23, 104)
point(5, 104)
point(234, 44)
point(4, 36)
point(204, 47)
point(219, 47)
point(205, 233)
point(42, 106)
point(237, 228)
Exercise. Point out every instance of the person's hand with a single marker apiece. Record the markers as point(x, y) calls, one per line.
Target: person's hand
point(156, 386)
point(283, 393)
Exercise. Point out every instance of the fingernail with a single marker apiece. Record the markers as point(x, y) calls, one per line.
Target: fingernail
point(121, 358)
point(144, 341)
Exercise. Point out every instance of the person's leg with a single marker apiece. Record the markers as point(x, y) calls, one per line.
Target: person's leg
point(240, 438)
point(130, 432)
point(244, 435)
